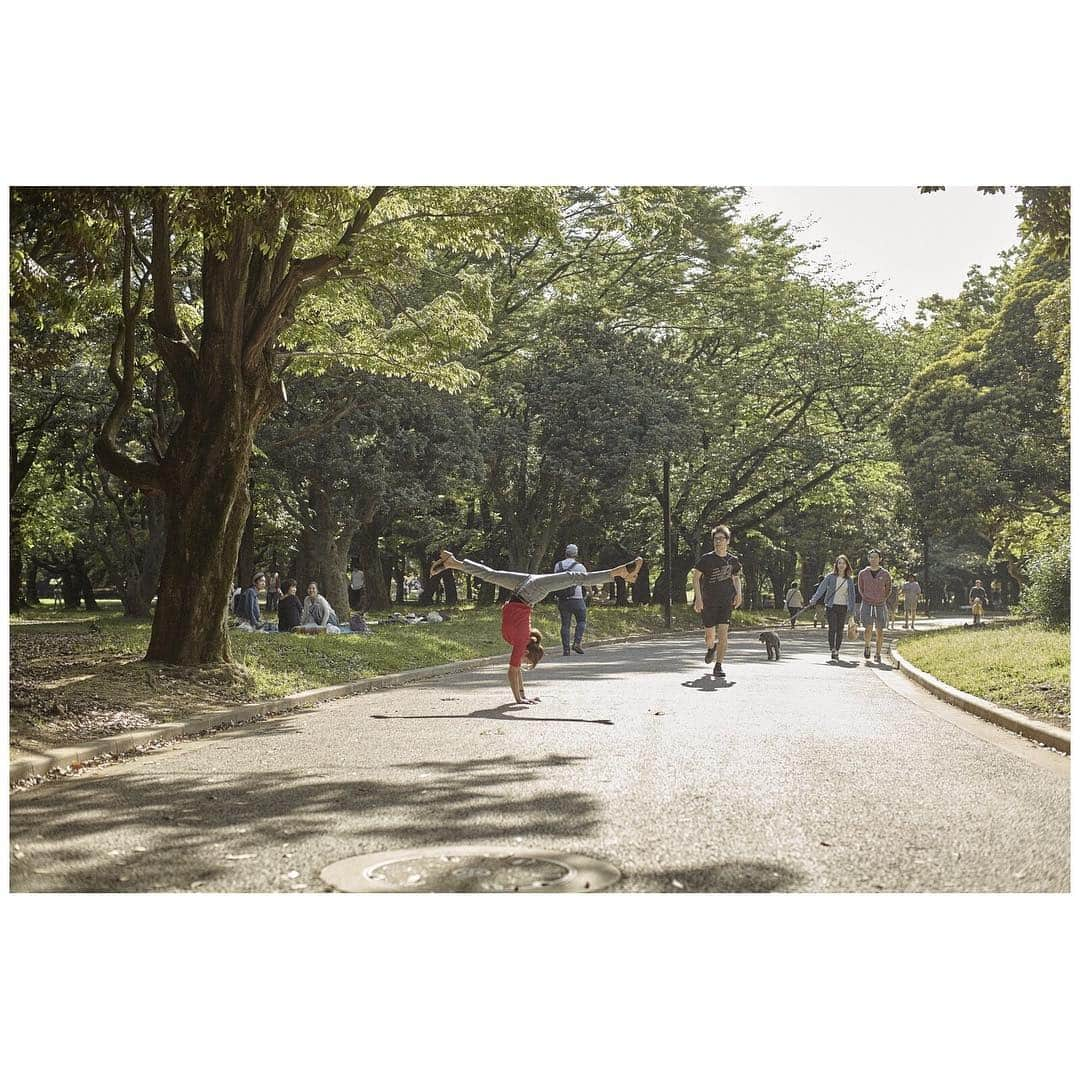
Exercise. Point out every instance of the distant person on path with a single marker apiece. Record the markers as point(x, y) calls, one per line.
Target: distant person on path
point(527, 590)
point(273, 593)
point(356, 588)
point(318, 612)
point(571, 602)
point(818, 606)
point(717, 592)
point(978, 599)
point(794, 599)
point(874, 587)
point(911, 590)
point(838, 591)
point(290, 611)
point(891, 603)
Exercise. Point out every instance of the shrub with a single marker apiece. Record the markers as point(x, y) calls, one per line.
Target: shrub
point(1046, 596)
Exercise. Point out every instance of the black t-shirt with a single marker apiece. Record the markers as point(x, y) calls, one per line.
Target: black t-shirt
point(290, 612)
point(716, 574)
point(977, 593)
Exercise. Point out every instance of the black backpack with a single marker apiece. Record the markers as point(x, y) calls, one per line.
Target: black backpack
point(567, 593)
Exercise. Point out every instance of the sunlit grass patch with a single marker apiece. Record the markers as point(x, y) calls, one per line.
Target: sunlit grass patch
point(1023, 667)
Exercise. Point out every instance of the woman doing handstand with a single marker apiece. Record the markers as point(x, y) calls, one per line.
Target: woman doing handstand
point(528, 589)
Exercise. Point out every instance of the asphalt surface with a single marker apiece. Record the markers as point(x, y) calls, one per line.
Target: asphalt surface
point(798, 776)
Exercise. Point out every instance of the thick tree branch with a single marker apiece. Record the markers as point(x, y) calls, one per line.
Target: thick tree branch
point(171, 342)
point(302, 276)
point(145, 475)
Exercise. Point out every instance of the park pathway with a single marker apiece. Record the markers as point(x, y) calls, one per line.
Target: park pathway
point(793, 776)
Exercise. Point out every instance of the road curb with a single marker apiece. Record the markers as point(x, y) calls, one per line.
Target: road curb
point(1056, 738)
point(42, 763)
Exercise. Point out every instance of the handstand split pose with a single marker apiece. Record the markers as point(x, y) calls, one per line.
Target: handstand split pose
point(528, 589)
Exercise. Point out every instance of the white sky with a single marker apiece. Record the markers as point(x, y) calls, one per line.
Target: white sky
point(912, 244)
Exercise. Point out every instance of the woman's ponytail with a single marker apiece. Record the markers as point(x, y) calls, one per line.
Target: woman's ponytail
point(534, 651)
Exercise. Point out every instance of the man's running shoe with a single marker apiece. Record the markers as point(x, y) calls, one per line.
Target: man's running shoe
point(866, 652)
point(710, 656)
point(578, 649)
point(718, 672)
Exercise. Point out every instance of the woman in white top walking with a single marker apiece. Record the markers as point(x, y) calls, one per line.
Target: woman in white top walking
point(794, 599)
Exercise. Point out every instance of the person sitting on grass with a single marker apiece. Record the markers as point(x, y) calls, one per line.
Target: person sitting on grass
point(318, 612)
point(527, 590)
point(290, 612)
point(247, 606)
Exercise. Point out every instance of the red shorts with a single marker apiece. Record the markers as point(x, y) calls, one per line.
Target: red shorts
point(516, 628)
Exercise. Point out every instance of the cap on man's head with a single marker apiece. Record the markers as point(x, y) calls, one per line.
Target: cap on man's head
point(571, 549)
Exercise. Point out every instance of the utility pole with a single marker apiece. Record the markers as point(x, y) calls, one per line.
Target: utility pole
point(667, 539)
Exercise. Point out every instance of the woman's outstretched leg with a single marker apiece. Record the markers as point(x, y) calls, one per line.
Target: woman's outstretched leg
point(505, 579)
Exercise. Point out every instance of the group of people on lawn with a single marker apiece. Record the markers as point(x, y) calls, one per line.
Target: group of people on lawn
point(315, 611)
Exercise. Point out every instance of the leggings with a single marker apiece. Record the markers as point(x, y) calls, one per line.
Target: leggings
point(837, 617)
point(532, 588)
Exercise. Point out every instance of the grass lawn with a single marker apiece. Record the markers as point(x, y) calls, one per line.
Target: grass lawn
point(1023, 667)
point(82, 681)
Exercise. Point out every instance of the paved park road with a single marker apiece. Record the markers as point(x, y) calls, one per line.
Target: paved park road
point(796, 776)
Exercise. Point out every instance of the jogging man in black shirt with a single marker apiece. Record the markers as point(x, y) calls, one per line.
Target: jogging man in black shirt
point(717, 591)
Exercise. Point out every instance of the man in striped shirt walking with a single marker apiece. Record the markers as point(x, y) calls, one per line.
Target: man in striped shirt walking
point(874, 585)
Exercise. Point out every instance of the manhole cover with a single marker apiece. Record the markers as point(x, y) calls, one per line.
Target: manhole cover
point(470, 869)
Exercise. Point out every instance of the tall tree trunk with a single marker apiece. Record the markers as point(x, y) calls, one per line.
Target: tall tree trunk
point(206, 508)
point(245, 562)
point(926, 571)
point(366, 545)
point(15, 569)
point(640, 590)
point(31, 596)
point(139, 587)
point(450, 585)
point(70, 587)
point(326, 551)
point(681, 565)
point(86, 586)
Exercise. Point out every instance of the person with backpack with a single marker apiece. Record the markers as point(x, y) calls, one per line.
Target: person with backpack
point(571, 603)
point(526, 590)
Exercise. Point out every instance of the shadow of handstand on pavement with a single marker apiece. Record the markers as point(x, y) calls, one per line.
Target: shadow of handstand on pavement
point(708, 683)
point(500, 712)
